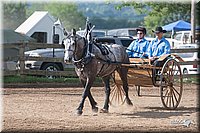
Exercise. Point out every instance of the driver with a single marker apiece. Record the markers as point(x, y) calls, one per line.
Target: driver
point(138, 47)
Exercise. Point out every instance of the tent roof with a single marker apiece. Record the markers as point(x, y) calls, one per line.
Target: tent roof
point(10, 36)
point(177, 26)
point(27, 25)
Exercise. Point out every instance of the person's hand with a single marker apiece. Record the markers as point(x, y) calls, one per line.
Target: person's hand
point(151, 58)
point(144, 55)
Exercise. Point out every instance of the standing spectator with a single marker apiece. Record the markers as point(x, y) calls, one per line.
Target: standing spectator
point(138, 47)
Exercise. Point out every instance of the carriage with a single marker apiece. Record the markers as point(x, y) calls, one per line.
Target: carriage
point(111, 61)
point(142, 73)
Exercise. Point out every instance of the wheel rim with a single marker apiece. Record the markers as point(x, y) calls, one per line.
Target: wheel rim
point(171, 84)
point(117, 94)
point(185, 72)
point(51, 68)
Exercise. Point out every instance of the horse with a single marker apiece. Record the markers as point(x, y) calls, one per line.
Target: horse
point(90, 65)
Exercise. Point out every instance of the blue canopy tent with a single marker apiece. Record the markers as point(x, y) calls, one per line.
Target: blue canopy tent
point(177, 26)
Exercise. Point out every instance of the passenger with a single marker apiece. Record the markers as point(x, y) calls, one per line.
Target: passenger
point(159, 46)
point(138, 47)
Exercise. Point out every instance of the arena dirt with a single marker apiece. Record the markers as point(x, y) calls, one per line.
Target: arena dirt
point(53, 109)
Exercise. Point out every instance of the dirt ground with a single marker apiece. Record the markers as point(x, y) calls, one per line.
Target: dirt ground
point(53, 109)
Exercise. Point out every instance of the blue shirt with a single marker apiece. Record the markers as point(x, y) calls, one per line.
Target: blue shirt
point(158, 47)
point(138, 47)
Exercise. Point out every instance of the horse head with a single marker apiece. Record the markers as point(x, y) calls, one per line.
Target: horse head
point(74, 46)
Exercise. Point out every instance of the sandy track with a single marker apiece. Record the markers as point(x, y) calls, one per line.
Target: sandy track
point(53, 109)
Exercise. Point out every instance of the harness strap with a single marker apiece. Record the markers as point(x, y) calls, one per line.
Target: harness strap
point(101, 69)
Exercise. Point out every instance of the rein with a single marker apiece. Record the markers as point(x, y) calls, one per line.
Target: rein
point(134, 51)
point(85, 58)
point(84, 50)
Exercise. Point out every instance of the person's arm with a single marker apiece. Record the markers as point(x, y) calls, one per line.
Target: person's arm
point(130, 47)
point(166, 49)
point(149, 50)
point(145, 52)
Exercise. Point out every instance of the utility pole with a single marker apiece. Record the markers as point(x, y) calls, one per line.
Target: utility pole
point(193, 23)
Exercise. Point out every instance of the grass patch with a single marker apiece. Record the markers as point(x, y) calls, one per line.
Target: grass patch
point(36, 79)
point(191, 80)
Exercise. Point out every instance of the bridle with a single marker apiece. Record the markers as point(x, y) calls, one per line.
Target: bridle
point(75, 51)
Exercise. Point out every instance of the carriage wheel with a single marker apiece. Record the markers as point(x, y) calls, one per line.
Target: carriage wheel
point(171, 84)
point(117, 94)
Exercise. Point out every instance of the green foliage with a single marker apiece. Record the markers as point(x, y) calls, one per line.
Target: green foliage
point(112, 23)
point(105, 16)
point(13, 14)
point(35, 79)
point(31, 79)
point(160, 13)
point(73, 15)
point(16, 13)
point(67, 13)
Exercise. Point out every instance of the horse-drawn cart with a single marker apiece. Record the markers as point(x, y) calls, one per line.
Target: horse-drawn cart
point(142, 73)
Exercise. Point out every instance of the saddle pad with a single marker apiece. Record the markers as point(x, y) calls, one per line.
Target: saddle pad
point(103, 49)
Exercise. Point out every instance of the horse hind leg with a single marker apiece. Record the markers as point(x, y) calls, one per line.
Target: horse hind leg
point(92, 102)
point(123, 75)
point(106, 81)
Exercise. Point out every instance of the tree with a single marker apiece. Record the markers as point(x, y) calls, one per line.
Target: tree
point(159, 14)
point(67, 13)
point(13, 15)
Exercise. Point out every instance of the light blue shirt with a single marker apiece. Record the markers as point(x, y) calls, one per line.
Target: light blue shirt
point(138, 47)
point(159, 47)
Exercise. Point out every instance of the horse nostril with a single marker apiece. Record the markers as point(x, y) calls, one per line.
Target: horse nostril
point(67, 60)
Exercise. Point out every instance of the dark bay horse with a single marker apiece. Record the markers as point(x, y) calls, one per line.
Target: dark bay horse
point(90, 65)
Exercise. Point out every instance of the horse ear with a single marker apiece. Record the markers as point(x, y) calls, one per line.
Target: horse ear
point(65, 32)
point(73, 32)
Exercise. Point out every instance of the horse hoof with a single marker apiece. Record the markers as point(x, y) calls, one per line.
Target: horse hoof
point(95, 109)
point(103, 111)
point(128, 101)
point(79, 112)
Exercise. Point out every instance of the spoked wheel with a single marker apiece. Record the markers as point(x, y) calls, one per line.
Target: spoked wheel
point(117, 94)
point(171, 86)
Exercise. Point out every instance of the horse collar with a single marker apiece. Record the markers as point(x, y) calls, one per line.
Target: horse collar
point(80, 64)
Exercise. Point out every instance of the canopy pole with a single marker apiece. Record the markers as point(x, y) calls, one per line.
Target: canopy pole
point(193, 21)
point(172, 37)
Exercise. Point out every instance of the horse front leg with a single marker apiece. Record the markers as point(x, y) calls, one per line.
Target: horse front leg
point(86, 93)
point(106, 81)
point(91, 99)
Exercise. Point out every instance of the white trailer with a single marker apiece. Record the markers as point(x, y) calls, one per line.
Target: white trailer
point(43, 27)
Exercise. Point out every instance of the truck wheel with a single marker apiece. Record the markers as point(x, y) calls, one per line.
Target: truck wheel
point(51, 67)
point(185, 71)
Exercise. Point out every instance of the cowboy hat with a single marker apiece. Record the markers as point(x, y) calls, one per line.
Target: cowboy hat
point(141, 29)
point(158, 30)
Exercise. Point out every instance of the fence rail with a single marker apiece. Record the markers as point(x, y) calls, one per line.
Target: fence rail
point(22, 58)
